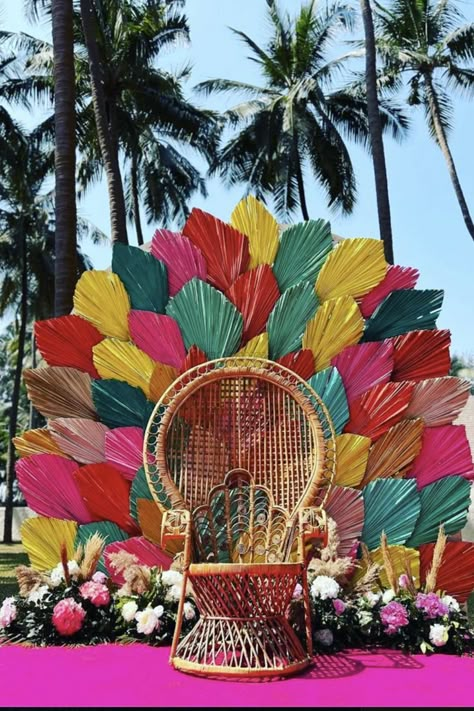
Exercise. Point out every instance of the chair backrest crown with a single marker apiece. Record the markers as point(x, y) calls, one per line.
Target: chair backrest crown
point(239, 413)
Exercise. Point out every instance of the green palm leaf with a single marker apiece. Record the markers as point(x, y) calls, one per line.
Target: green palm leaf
point(302, 252)
point(108, 530)
point(403, 311)
point(393, 506)
point(287, 321)
point(446, 502)
point(329, 386)
point(144, 277)
point(206, 319)
point(120, 404)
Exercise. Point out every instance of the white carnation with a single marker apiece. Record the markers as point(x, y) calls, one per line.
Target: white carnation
point(159, 610)
point(324, 587)
point(372, 598)
point(129, 610)
point(147, 621)
point(174, 592)
point(57, 574)
point(388, 596)
point(172, 577)
point(439, 635)
point(73, 568)
point(451, 602)
point(188, 611)
point(38, 594)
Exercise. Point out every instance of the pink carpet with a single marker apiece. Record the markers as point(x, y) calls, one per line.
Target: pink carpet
point(137, 675)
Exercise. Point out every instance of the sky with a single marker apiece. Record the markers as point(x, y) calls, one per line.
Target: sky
point(428, 229)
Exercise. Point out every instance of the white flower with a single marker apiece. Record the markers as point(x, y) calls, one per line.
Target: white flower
point(439, 635)
point(188, 611)
point(365, 617)
point(99, 577)
point(324, 637)
point(324, 587)
point(159, 610)
point(174, 593)
point(172, 577)
point(129, 610)
point(57, 574)
point(38, 594)
point(147, 621)
point(372, 598)
point(388, 596)
point(451, 602)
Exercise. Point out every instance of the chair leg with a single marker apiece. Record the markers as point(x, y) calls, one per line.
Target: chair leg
point(179, 617)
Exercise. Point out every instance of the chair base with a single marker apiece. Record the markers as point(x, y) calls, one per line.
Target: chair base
point(253, 648)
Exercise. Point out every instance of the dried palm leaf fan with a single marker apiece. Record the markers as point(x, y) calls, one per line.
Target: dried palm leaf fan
point(332, 312)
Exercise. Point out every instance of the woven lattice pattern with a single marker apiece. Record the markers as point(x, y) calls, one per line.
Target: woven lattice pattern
point(239, 413)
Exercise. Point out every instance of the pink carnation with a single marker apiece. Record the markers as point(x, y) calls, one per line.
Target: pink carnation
point(393, 616)
point(97, 593)
point(99, 577)
point(7, 612)
point(431, 605)
point(339, 606)
point(68, 616)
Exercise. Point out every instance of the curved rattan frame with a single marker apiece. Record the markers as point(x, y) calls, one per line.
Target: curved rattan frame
point(161, 484)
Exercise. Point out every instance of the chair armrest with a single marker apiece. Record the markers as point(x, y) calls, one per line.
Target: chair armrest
point(313, 526)
point(176, 526)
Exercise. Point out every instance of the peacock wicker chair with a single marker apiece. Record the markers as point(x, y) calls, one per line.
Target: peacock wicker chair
point(236, 453)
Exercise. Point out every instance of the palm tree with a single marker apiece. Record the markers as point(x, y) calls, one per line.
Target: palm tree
point(375, 128)
point(297, 119)
point(426, 42)
point(65, 155)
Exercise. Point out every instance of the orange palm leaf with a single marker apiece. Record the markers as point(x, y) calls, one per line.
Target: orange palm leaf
point(395, 451)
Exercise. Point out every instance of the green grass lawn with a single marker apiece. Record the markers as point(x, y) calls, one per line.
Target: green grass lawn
point(11, 555)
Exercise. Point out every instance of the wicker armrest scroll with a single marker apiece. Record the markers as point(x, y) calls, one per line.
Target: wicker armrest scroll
point(176, 526)
point(313, 527)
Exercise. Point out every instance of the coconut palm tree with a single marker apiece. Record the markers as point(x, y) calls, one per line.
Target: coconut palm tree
point(297, 118)
point(375, 128)
point(428, 43)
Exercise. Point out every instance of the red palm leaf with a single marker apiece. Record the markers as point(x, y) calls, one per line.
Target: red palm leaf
point(254, 293)
point(225, 250)
point(456, 572)
point(68, 341)
point(106, 494)
point(396, 278)
point(183, 260)
point(378, 409)
point(195, 357)
point(421, 354)
point(444, 451)
point(363, 366)
point(300, 362)
point(158, 336)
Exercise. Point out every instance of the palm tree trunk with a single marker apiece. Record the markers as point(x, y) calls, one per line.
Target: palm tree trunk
point(108, 147)
point(33, 415)
point(13, 420)
point(441, 137)
point(136, 201)
point(301, 192)
point(375, 129)
point(65, 268)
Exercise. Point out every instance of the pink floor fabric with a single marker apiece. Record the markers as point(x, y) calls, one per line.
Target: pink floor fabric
point(138, 675)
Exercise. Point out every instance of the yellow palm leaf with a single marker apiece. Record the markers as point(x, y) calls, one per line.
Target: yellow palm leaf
point(398, 554)
point(161, 379)
point(42, 538)
point(338, 323)
point(352, 452)
point(252, 218)
point(123, 361)
point(257, 347)
point(36, 442)
point(354, 267)
point(101, 298)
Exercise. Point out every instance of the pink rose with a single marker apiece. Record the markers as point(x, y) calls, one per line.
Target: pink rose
point(7, 612)
point(403, 580)
point(99, 577)
point(68, 616)
point(298, 591)
point(97, 593)
point(339, 606)
point(431, 605)
point(393, 616)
